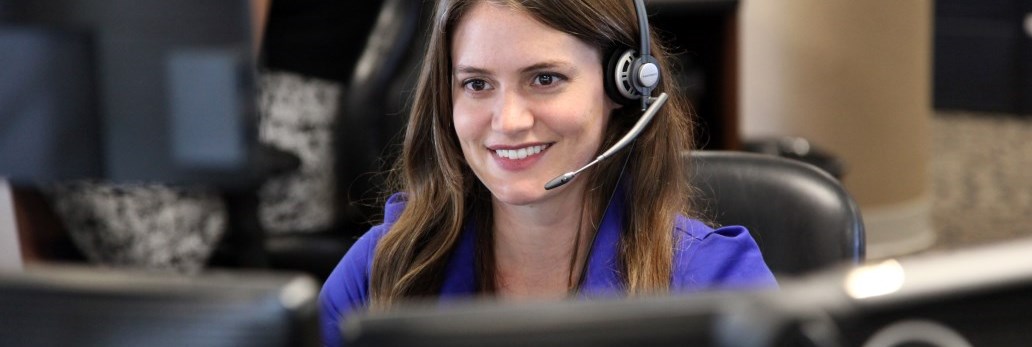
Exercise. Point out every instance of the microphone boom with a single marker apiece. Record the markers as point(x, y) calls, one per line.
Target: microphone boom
point(646, 118)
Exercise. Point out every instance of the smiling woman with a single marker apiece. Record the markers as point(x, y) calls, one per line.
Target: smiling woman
point(521, 85)
point(512, 94)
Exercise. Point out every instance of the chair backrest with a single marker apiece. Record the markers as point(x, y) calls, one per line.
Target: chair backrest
point(801, 217)
point(374, 106)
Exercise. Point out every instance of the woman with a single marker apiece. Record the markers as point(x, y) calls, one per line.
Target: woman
point(510, 96)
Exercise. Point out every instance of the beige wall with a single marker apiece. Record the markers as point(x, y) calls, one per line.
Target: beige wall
point(854, 77)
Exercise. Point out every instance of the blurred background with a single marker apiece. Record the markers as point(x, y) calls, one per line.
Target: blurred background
point(220, 140)
point(921, 108)
point(926, 103)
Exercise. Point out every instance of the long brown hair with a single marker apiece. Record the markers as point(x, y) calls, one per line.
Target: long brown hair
point(442, 192)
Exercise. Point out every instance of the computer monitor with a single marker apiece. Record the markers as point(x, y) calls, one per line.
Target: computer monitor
point(977, 296)
point(78, 306)
point(129, 91)
point(703, 319)
point(972, 297)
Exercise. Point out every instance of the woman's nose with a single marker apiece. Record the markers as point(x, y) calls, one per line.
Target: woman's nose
point(512, 114)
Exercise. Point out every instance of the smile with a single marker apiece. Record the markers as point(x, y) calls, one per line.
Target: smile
point(520, 153)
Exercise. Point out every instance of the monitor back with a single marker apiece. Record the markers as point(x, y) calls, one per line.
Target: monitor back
point(127, 90)
point(74, 306)
point(666, 321)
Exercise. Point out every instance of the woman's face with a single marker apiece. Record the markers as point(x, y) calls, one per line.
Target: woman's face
point(528, 101)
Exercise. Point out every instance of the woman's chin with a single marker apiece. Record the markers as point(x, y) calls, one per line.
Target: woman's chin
point(517, 200)
point(518, 195)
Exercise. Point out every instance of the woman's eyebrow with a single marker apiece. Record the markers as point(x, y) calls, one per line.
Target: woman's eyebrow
point(466, 69)
point(547, 65)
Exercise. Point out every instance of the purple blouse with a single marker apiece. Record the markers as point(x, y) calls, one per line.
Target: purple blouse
point(705, 259)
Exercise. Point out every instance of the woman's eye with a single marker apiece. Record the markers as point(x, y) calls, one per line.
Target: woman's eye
point(476, 85)
point(544, 80)
point(547, 79)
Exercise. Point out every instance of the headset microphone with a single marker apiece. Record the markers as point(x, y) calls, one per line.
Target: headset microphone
point(656, 104)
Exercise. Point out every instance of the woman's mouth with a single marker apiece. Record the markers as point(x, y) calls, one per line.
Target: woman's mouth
point(520, 153)
point(519, 158)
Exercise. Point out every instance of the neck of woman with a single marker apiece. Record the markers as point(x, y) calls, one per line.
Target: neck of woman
point(540, 250)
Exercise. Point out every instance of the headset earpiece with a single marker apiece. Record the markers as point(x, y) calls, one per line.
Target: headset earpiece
point(629, 76)
point(645, 75)
point(618, 82)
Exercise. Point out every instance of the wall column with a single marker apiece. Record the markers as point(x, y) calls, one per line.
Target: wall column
point(853, 77)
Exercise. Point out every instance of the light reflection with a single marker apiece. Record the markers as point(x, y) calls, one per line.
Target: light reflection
point(874, 280)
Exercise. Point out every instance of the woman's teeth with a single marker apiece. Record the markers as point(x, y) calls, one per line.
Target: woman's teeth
point(520, 153)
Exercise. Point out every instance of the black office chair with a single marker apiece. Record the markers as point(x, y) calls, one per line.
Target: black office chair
point(801, 217)
point(372, 117)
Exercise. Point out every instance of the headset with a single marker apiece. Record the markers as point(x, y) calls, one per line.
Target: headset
point(630, 77)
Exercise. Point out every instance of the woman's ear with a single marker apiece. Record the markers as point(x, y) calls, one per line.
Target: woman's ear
point(612, 105)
